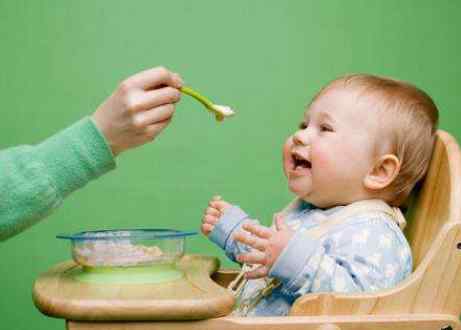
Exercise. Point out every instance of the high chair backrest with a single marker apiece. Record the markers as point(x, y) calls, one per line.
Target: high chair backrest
point(438, 200)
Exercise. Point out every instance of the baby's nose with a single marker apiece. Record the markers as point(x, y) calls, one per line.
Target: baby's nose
point(301, 138)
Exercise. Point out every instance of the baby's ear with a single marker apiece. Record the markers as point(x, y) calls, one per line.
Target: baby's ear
point(383, 172)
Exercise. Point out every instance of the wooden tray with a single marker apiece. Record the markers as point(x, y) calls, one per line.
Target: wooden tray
point(194, 296)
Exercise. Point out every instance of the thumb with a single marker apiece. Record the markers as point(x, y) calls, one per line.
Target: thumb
point(280, 223)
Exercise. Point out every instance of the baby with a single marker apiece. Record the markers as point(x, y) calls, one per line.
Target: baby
point(361, 147)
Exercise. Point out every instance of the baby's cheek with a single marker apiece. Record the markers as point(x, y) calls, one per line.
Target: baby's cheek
point(326, 169)
point(286, 157)
point(323, 161)
point(285, 151)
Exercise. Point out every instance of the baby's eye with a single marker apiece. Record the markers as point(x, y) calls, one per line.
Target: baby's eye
point(302, 125)
point(326, 128)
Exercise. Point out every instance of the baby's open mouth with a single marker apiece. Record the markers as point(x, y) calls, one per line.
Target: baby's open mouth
point(299, 162)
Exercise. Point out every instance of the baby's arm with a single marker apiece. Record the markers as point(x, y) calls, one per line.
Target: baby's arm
point(220, 221)
point(360, 257)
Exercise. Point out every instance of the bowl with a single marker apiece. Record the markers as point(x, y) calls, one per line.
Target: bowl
point(127, 247)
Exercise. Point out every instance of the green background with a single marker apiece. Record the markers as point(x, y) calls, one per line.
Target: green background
point(60, 59)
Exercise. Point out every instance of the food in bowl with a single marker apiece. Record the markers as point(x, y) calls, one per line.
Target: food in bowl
point(127, 247)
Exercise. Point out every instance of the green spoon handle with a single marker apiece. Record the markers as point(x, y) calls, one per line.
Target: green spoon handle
point(199, 97)
point(202, 99)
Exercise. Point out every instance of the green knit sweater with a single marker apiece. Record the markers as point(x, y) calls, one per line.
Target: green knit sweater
point(34, 180)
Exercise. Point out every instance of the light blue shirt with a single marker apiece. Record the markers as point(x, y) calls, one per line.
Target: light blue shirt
point(367, 252)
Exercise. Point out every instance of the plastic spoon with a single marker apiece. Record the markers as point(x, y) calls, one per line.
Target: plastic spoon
point(220, 111)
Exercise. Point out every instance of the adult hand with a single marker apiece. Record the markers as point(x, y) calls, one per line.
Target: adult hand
point(266, 244)
point(139, 109)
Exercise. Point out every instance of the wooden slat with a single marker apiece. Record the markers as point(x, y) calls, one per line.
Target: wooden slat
point(381, 322)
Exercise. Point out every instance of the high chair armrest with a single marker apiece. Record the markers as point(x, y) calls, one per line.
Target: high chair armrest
point(224, 276)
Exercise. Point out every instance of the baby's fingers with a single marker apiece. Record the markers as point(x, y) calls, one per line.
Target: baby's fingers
point(214, 199)
point(258, 230)
point(212, 211)
point(259, 272)
point(253, 241)
point(206, 228)
point(220, 205)
point(252, 258)
point(210, 219)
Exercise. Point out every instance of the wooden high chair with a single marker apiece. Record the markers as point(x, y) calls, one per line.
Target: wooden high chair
point(429, 299)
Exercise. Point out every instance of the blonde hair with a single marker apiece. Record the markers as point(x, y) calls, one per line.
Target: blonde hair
point(411, 117)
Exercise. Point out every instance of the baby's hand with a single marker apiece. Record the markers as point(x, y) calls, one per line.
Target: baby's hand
point(214, 211)
point(267, 245)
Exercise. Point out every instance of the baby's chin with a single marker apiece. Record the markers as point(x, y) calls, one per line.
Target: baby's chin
point(306, 194)
point(301, 191)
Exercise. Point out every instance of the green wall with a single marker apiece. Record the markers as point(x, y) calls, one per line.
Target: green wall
point(60, 59)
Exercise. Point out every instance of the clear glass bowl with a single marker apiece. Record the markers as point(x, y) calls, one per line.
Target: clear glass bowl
point(127, 247)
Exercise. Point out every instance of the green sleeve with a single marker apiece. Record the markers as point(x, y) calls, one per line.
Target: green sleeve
point(34, 180)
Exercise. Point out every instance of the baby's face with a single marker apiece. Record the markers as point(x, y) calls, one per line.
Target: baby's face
point(326, 160)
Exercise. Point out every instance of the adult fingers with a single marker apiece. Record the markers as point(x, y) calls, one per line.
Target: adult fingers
point(159, 96)
point(153, 130)
point(259, 272)
point(258, 230)
point(154, 116)
point(140, 101)
point(253, 241)
point(135, 101)
point(152, 78)
point(252, 258)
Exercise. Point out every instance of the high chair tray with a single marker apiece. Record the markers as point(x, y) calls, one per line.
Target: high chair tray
point(194, 296)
